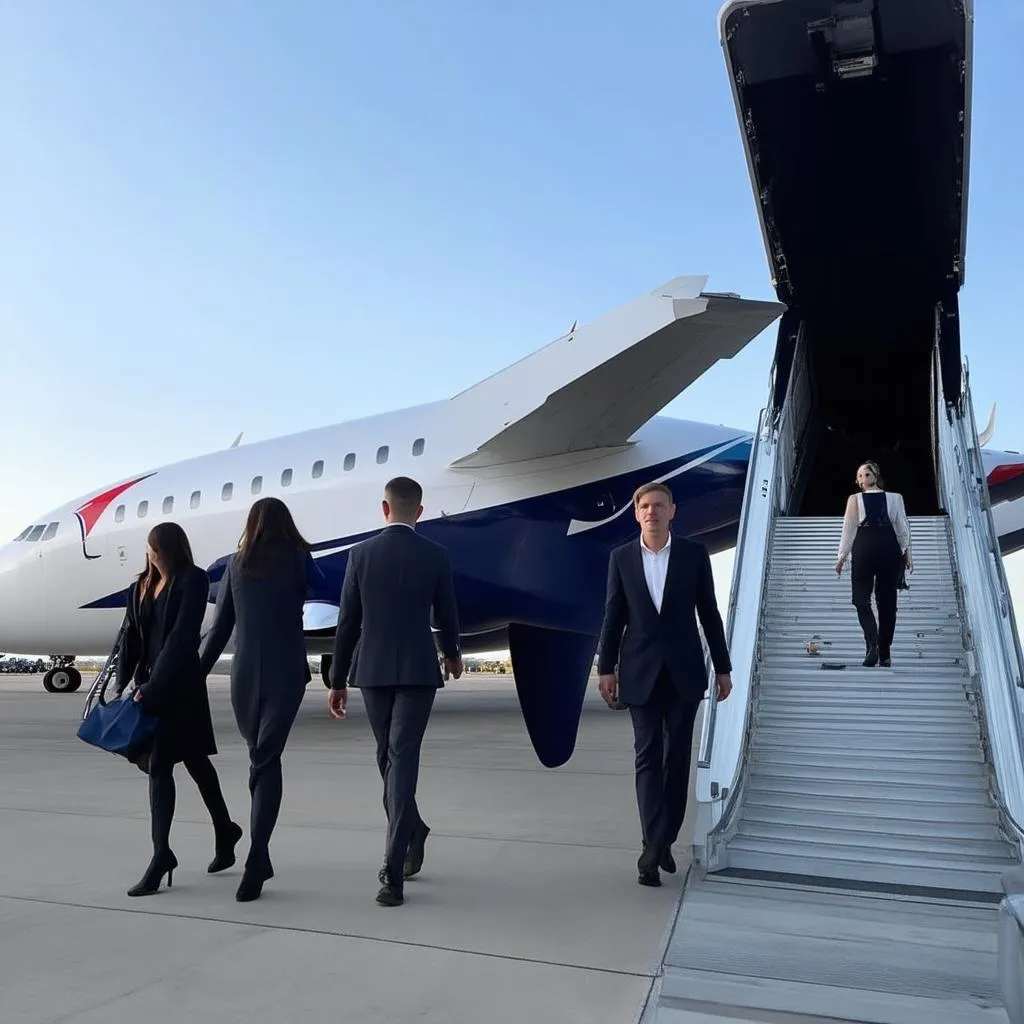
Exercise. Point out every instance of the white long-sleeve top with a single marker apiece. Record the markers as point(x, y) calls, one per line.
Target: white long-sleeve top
point(855, 515)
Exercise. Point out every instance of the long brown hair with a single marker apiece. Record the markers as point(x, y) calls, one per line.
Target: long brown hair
point(170, 542)
point(270, 539)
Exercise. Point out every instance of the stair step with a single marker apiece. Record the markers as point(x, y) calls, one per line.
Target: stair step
point(878, 865)
point(831, 835)
point(958, 774)
point(868, 743)
point(923, 760)
point(873, 825)
point(896, 728)
point(842, 790)
point(898, 810)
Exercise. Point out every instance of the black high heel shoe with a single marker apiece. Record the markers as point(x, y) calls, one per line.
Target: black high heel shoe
point(225, 853)
point(161, 864)
point(251, 886)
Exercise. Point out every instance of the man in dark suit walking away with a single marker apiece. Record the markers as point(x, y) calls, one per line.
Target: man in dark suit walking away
point(651, 659)
point(391, 584)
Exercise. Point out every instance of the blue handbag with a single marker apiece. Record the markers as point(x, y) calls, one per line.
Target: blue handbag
point(120, 727)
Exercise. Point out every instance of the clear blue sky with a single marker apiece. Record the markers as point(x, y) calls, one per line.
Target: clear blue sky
point(227, 216)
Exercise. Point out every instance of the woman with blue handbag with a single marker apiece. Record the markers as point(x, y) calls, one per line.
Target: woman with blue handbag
point(160, 649)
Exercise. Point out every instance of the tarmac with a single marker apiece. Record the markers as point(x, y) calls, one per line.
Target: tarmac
point(527, 908)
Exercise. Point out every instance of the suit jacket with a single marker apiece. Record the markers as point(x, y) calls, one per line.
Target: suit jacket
point(161, 652)
point(640, 641)
point(392, 582)
point(265, 614)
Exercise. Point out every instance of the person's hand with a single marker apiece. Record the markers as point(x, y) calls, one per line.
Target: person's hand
point(337, 702)
point(608, 687)
point(453, 667)
point(137, 695)
point(839, 567)
point(723, 684)
point(908, 562)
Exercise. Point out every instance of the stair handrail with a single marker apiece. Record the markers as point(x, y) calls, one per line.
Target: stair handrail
point(984, 598)
point(1008, 615)
point(725, 730)
point(762, 434)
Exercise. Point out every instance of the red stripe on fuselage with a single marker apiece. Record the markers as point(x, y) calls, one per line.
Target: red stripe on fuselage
point(89, 513)
point(1001, 474)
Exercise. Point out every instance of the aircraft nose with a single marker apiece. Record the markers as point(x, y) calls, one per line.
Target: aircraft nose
point(21, 572)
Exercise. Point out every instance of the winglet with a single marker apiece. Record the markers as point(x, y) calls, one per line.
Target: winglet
point(990, 428)
point(238, 440)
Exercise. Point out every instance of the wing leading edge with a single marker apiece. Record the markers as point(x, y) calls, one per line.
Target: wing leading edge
point(596, 386)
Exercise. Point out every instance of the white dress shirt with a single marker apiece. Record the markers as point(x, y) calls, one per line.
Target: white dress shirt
point(856, 514)
point(656, 570)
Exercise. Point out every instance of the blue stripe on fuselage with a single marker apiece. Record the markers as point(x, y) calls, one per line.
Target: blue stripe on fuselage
point(515, 562)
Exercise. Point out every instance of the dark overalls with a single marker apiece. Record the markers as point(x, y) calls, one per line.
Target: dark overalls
point(876, 566)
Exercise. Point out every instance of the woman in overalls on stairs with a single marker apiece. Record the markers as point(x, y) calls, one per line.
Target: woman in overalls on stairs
point(876, 531)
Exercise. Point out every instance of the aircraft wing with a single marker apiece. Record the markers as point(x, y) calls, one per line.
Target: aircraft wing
point(596, 386)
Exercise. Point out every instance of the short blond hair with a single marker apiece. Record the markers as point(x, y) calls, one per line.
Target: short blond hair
point(649, 489)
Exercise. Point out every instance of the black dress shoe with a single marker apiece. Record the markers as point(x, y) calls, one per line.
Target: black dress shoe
point(390, 896)
point(414, 855)
point(667, 862)
point(872, 658)
point(649, 876)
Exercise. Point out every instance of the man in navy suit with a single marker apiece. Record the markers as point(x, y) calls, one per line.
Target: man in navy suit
point(651, 659)
point(392, 582)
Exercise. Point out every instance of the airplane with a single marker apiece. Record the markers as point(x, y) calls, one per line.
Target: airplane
point(528, 480)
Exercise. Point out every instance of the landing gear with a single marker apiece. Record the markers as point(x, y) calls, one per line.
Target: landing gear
point(62, 676)
point(325, 668)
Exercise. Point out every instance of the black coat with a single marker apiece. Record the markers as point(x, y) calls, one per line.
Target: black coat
point(160, 650)
point(392, 582)
point(640, 641)
point(265, 614)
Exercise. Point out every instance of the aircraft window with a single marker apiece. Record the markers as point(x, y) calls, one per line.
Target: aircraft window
point(119, 514)
point(257, 484)
point(37, 532)
point(168, 505)
point(226, 491)
point(51, 531)
point(382, 454)
point(350, 461)
point(143, 509)
point(24, 534)
point(286, 478)
point(318, 469)
point(193, 502)
point(418, 445)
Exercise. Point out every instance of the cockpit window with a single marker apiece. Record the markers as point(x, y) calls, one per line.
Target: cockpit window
point(37, 532)
point(50, 532)
point(24, 534)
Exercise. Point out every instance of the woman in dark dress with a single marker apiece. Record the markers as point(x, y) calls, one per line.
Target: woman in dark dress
point(260, 598)
point(876, 532)
point(160, 650)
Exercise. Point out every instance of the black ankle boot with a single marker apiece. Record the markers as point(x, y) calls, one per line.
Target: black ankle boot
point(251, 886)
point(162, 862)
point(872, 657)
point(225, 849)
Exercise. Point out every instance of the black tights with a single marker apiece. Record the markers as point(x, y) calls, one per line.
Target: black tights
point(162, 797)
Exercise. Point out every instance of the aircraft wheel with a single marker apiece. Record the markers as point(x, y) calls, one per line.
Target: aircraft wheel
point(62, 680)
point(325, 669)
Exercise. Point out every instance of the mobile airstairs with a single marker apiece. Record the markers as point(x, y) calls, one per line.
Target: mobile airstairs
point(859, 831)
point(856, 826)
